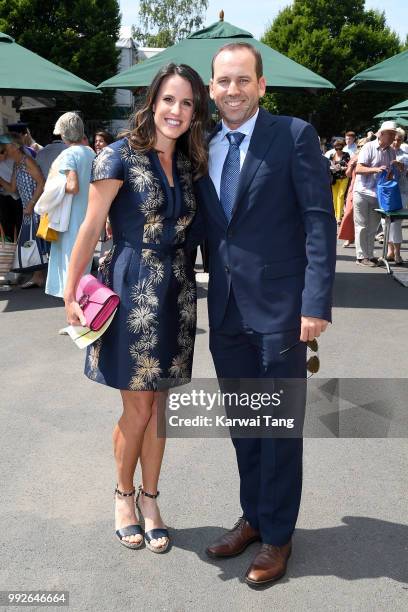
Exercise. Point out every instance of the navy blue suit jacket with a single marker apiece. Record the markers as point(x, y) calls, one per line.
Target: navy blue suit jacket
point(279, 249)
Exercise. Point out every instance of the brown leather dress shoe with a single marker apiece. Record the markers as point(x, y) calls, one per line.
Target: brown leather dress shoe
point(269, 564)
point(234, 541)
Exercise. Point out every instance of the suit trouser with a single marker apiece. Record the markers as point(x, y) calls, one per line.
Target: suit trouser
point(366, 222)
point(270, 468)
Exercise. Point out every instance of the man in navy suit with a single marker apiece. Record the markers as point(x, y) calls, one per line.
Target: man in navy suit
point(266, 209)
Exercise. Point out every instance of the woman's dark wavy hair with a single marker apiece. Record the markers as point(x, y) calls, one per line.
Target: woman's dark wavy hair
point(142, 136)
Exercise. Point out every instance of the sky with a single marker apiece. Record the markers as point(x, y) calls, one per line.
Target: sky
point(256, 15)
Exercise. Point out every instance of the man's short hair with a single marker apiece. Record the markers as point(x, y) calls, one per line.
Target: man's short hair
point(352, 134)
point(241, 45)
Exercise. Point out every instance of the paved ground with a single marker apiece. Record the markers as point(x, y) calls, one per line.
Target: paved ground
point(58, 477)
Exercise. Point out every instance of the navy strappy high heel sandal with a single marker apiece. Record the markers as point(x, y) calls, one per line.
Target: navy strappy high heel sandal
point(129, 530)
point(153, 534)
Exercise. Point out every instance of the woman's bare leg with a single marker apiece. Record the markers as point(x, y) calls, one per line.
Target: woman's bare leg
point(127, 444)
point(390, 252)
point(150, 461)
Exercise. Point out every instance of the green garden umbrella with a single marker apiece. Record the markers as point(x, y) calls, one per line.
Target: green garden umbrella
point(401, 106)
point(399, 120)
point(389, 75)
point(23, 72)
point(390, 114)
point(197, 50)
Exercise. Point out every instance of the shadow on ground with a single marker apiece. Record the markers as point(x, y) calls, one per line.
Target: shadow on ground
point(28, 299)
point(361, 548)
point(378, 290)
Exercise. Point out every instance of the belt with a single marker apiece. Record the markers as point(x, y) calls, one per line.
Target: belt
point(160, 249)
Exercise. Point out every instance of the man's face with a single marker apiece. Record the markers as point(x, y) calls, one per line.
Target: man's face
point(349, 140)
point(386, 138)
point(235, 88)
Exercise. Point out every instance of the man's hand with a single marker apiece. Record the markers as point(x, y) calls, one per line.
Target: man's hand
point(311, 328)
point(379, 169)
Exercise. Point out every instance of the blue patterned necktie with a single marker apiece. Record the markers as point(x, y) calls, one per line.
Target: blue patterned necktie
point(230, 173)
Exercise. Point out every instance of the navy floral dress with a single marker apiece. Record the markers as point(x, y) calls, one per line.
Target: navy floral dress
point(150, 342)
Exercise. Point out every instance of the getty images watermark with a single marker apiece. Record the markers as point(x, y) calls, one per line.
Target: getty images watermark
point(241, 408)
point(318, 408)
point(214, 401)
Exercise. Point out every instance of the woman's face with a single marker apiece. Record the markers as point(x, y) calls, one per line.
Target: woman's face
point(397, 142)
point(12, 151)
point(173, 109)
point(100, 143)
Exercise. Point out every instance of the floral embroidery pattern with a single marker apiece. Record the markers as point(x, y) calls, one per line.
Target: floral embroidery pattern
point(93, 358)
point(140, 177)
point(105, 266)
point(162, 274)
point(153, 228)
point(102, 164)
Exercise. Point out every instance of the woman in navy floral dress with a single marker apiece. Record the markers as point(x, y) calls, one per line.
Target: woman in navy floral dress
point(151, 338)
point(145, 183)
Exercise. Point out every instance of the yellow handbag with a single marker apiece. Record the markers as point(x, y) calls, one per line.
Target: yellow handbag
point(45, 231)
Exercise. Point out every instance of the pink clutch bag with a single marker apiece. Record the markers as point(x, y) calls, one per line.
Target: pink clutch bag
point(97, 301)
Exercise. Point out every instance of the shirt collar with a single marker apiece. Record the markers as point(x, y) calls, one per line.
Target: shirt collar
point(378, 146)
point(246, 128)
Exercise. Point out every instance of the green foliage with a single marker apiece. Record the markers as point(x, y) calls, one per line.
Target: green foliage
point(78, 35)
point(162, 23)
point(336, 39)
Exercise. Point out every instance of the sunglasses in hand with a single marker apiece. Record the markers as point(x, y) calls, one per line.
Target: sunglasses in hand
point(313, 362)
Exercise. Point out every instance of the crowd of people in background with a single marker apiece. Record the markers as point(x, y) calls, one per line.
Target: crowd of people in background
point(25, 168)
point(354, 165)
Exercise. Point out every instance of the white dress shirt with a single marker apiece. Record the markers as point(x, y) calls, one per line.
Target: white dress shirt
point(373, 156)
point(351, 149)
point(219, 145)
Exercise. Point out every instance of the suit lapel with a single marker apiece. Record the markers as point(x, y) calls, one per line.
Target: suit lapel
point(214, 205)
point(261, 140)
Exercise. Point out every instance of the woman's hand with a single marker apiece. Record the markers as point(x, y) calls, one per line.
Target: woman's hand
point(74, 313)
point(29, 209)
point(108, 230)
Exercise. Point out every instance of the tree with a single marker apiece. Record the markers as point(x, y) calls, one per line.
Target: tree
point(78, 35)
point(165, 22)
point(336, 40)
